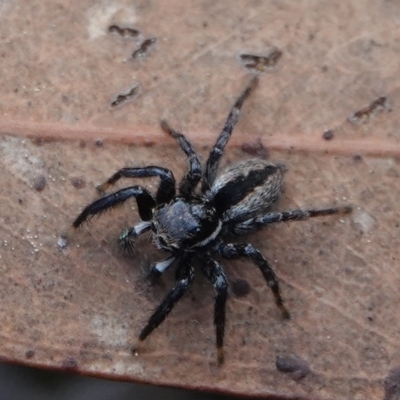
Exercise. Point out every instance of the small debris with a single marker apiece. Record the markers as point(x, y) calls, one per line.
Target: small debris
point(262, 63)
point(144, 48)
point(296, 366)
point(123, 98)
point(123, 31)
point(134, 351)
point(367, 113)
point(39, 183)
point(99, 142)
point(328, 134)
point(62, 242)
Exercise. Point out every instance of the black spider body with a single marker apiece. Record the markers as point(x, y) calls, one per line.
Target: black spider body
point(245, 190)
point(184, 224)
point(190, 225)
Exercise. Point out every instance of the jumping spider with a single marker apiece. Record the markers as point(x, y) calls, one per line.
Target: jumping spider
point(190, 225)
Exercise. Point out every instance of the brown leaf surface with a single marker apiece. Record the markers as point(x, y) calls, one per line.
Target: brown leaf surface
point(81, 308)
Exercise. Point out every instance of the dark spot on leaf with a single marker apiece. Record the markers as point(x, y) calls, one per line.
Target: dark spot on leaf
point(148, 143)
point(65, 99)
point(328, 135)
point(39, 183)
point(240, 287)
point(392, 384)
point(69, 363)
point(78, 183)
point(296, 366)
point(29, 354)
point(255, 149)
point(37, 141)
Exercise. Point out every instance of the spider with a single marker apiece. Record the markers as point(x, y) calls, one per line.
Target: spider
point(190, 224)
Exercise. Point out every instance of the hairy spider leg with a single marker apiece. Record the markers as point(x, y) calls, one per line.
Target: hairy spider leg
point(256, 223)
point(144, 200)
point(127, 236)
point(193, 175)
point(159, 268)
point(166, 190)
point(181, 287)
point(215, 274)
point(218, 149)
point(237, 250)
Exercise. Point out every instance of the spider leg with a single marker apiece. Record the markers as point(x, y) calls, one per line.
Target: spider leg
point(159, 268)
point(215, 274)
point(193, 176)
point(237, 250)
point(166, 190)
point(218, 149)
point(253, 224)
point(127, 236)
point(144, 200)
point(162, 311)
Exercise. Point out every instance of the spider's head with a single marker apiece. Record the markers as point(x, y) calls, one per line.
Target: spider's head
point(182, 225)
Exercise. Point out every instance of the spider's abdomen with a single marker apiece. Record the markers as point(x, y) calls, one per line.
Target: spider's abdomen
point(246, 189)
point(183, 225)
